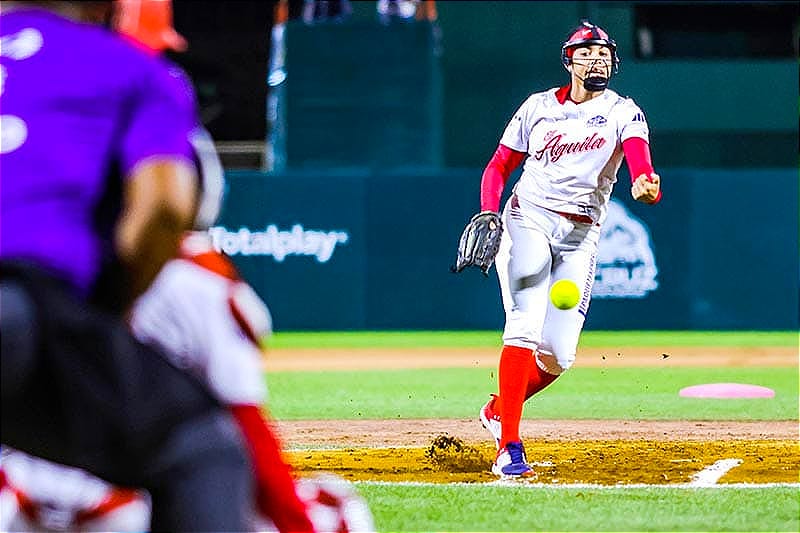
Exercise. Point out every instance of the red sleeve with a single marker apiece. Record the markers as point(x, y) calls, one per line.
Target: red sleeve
point(637, 154)
point(496, 174)
point(275, 489)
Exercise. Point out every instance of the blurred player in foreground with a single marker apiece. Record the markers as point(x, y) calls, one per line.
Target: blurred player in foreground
point(97, 172)
point(213, 325)
point(572, 140)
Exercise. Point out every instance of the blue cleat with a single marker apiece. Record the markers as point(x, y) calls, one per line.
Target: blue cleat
point(511, 462)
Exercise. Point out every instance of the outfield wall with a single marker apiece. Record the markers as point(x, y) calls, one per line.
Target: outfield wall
point(357, 249)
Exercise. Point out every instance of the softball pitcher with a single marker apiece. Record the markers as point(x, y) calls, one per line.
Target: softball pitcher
point(572, 140)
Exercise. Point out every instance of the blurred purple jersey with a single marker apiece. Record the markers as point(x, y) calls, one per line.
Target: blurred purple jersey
point(79, 107)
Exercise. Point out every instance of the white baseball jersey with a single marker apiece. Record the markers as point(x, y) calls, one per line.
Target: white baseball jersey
point(574, 150)
point(187, 312)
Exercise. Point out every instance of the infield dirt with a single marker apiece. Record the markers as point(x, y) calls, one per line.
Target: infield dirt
point(562, 451)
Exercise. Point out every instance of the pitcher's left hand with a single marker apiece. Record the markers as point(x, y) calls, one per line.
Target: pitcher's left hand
point(646, 188)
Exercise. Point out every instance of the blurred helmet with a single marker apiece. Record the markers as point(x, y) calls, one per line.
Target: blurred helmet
point(588, 34)
point(149, 23)
point(212, 178)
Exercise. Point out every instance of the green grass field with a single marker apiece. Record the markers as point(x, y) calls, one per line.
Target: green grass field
point(477, 339)
point(510, 508)
point(593, 393)
point(584, 393)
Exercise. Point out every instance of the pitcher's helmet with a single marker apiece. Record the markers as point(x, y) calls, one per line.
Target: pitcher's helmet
point(588, 34)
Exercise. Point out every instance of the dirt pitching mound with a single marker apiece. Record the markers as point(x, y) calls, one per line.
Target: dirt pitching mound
point(447, 460)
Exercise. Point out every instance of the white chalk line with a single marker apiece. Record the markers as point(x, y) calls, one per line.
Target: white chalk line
point(572, 486)
point(712, 473)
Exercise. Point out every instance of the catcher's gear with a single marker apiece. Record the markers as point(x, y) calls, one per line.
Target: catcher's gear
point(479, 242)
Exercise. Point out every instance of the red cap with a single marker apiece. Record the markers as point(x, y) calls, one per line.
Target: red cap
point(149, 23)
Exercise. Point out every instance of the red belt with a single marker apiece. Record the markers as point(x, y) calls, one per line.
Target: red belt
point(583, 219)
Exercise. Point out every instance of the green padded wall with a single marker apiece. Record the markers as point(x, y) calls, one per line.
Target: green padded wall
point(357, 249)
point(364, 94)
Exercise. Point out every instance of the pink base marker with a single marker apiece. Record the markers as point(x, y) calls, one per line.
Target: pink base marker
point(726, 390)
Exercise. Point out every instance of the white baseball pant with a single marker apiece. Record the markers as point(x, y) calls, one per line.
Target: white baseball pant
point(538, 248)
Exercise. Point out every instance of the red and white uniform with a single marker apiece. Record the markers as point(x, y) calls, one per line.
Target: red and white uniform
point(38, 495)
point(208, 322)
point(572, 153)
point(574, 150)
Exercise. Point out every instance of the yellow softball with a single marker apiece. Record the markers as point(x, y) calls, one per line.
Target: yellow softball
point(564, 294)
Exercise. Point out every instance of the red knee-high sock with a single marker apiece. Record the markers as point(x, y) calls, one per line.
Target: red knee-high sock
point(538, 379)
point(275, 490)
point(515, 368)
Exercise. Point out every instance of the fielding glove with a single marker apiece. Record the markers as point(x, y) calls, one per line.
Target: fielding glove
point(479, 242)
